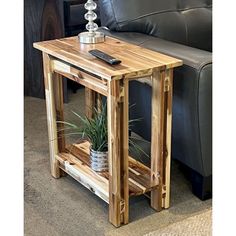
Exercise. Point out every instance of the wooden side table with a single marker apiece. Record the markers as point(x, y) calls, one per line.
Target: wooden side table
point(126, 177)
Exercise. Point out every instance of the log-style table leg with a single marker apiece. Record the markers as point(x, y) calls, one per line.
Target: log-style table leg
point(99, 101)
point(117, 112)
point(157, 138)
point(168, 128)
point(59, 105)
point(90, 102)
point(161, 138)
point(54, 106)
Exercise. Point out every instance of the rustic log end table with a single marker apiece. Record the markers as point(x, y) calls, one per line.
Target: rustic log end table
point(126, 176)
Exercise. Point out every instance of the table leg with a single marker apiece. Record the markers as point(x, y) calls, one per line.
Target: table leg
point(117, 112)
point(99, 101)
point(51, 115)
point(157, 138)
point(168, 128)
point(59, 105)
point(90, 101)
point(58, 84)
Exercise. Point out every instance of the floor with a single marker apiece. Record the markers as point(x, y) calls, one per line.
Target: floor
point(63, 207)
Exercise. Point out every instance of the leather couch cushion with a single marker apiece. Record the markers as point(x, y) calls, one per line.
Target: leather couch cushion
point(191, 57)
point(187, 22)
point(191, 100)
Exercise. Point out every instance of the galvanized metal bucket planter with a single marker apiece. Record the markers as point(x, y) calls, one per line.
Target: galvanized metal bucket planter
point(99, 160)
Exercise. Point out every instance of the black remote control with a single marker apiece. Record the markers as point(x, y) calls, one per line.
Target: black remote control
point(105, 57)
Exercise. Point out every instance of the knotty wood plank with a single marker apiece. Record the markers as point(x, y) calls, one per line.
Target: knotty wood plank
point(135, 59)
point(84, 147)
point(85, 175)
point(99, 102)
point(58, 95)
point(158, 57)
point(90, 97)
point(59, 105)
point(143, 180)
point(157, 138)
point(137, 171)
point(79, 153)
point(169, 76)
point(114, 152)
point(124, 146)
point(80, 77)
point(138, 166)
point(51, 116)
point(96, 182)
point(134, 189)
point(73, 50)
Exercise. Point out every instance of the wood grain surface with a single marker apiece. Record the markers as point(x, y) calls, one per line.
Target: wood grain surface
point(78, 155)
point(126, 177)
point(136, 61)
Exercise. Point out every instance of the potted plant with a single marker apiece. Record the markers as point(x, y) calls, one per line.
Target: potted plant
point(95, 131)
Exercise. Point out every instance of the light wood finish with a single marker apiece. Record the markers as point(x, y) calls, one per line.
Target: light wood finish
point(126, 176)
point(136, 61)
point(76, 162)
point(89, 102)
point(84, 174)
point(168, 111)
point(99, 102)
point(51, 116)
point(59, 105)
point(139, 174)
point(124, 143)
point(117, 106)
point(93, 83)
point(157, 138)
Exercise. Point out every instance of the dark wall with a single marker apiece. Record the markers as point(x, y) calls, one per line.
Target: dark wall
point(43, 19)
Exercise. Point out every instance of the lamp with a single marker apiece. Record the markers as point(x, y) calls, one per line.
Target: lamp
point(91, 36)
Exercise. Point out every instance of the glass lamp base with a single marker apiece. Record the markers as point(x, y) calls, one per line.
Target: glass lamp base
point(86, 37)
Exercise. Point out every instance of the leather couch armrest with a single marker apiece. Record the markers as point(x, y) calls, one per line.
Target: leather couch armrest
point(192, 106)
point(192, 57)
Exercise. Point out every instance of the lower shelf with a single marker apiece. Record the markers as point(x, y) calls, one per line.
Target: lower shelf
point(76, 162)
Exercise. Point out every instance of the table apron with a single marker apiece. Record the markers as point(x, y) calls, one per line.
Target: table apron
point(81, 77)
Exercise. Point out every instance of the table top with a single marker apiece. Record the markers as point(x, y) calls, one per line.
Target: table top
point(136, 60)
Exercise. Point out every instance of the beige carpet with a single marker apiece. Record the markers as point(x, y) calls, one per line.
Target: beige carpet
point(63, 207)
point(199, 225)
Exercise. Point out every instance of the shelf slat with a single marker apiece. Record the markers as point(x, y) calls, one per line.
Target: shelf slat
point(85, 175)
point(76, 162)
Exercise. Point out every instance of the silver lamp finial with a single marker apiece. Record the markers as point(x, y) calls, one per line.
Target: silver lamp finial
point(91, 36)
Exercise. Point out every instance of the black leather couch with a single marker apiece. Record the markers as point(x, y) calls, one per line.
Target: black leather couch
point(183, 29)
